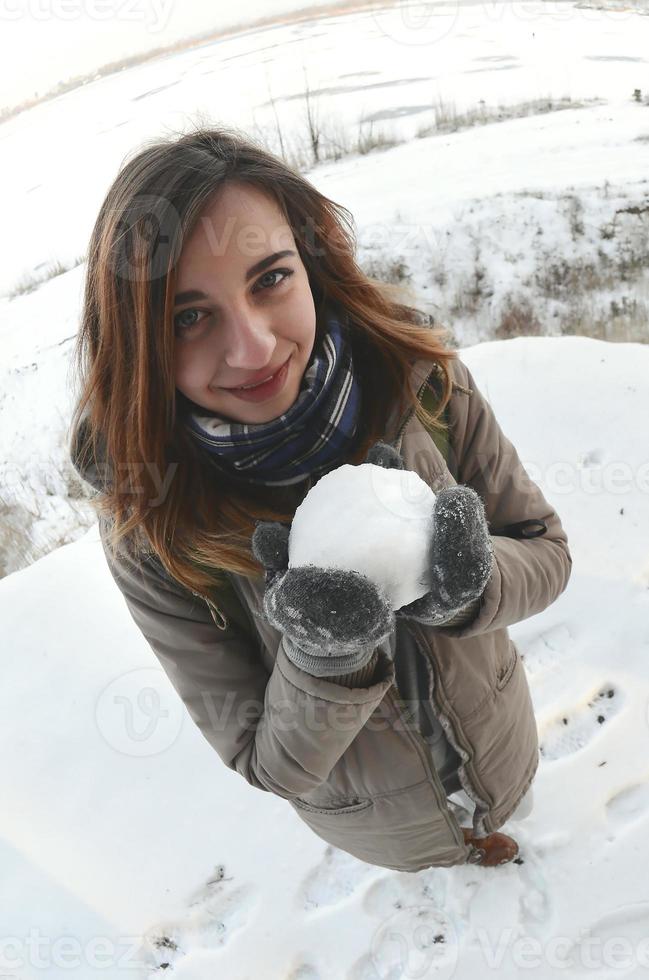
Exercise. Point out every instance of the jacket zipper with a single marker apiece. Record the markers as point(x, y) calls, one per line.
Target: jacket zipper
point(442, 712)
point(420, 745)
point(396, 442)
point(219, 617)
point(416, 739)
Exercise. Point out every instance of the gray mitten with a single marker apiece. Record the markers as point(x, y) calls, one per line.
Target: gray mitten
point(332, 620)
point(461, 558)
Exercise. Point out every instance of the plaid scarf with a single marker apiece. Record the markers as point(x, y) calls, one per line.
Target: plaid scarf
point(311, 438)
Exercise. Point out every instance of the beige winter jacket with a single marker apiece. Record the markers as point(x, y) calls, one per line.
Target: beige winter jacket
point(350, 760)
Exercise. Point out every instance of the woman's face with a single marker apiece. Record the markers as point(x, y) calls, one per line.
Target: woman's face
point(241, 323)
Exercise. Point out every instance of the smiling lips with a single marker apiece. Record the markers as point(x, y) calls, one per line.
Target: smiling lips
point(261, 379)
point(245, 387)
point(264, 390)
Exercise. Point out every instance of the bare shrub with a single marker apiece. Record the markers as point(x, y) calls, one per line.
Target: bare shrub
point(623, 320)
point(631, 261)
point(561, 278)
point(575, 216)
point(322, 140)
point(387, 269)
point(438, 271)
point(16, 546)
point(472, 289)
point(537, 195)
point(367, 140)
point(517, 319)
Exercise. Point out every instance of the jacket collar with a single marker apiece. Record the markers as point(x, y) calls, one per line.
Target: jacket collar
point(398, 420)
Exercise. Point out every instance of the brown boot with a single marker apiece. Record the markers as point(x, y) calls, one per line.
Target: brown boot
point(496, 848)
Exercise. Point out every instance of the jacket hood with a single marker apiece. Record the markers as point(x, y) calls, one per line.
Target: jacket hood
point(96, 473)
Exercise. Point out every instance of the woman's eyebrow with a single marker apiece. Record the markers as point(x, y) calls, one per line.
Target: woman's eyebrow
point(193, 294)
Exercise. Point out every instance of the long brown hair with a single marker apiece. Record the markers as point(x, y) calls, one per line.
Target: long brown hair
point(128, 419)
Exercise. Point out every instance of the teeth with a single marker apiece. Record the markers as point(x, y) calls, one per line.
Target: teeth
point(245, 387)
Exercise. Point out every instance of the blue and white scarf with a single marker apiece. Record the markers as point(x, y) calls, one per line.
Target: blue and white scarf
point(312, 437)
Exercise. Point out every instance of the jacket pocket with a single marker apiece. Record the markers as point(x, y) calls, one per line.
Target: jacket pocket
point(347, 806)
point(403, 831)
point(505, 673)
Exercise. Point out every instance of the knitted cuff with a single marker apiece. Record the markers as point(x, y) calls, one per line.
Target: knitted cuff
point(364, 677)
point(463, 616)
point(333, 667)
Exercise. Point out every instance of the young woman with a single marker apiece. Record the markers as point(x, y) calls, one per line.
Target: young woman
point(232, 352)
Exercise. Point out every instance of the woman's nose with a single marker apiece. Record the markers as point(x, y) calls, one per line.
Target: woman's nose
point(250, 342)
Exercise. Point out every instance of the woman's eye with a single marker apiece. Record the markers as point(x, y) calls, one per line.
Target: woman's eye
point(285, 273)
point(182, 325)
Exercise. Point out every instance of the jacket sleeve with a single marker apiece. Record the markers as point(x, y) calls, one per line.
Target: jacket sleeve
point(528, 573)
point(282, 732)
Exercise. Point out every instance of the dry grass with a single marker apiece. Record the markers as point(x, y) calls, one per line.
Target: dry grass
point(322, 140)
point(449, 120)
point(598, 289)
point(31, 281)
point(387, 269)
point(472, 289)
point(517, 319)
point(17, 518)
point(625, 321)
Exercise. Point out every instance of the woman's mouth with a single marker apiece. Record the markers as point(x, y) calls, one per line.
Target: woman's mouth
point(267, 389)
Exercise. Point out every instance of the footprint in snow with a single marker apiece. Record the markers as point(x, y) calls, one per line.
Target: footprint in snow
point(517, 893)
point(413, 941)
point(628, 806)
point(611, 946)
point(304, 972)
point(535, 906)
point(333, 880)
point(426, 918)
point(400, 889)
point(572, 730)
point(216, 911)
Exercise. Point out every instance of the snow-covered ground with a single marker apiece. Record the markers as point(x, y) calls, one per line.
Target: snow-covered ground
point(91, 35)
point(120, 824)
point(359, 65)
point(532, 223)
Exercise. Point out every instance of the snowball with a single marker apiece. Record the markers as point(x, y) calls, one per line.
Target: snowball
point(372, 520)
